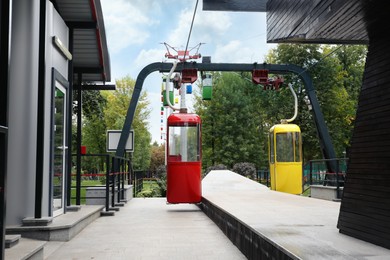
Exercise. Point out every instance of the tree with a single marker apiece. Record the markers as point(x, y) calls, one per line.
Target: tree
point(93, 128)
point(235, 123)
point(114, 115)
point(157, 157)
point(229, 124)
point(337, 76)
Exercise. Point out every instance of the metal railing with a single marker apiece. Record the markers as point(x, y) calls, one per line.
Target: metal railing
point(263, 177)
point(316, 172)
point(112, 172)
point(139, 177)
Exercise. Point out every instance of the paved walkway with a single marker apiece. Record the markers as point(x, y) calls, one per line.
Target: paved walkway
point(148, 229)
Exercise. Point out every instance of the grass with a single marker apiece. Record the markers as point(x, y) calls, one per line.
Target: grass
point(307, 191)
point(150, 185)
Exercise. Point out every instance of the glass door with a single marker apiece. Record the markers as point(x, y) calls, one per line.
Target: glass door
point(60, 147)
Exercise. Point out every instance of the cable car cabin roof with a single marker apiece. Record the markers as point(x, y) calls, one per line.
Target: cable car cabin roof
point(90, 51)
point(182, 119)
point(283, 128)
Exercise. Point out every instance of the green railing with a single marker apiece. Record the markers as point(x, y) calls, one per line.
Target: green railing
point(316, 172)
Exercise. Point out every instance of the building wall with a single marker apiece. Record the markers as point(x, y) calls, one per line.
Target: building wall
point(365, 206)
point(23, 91)
point(23, 104)
point(55, 27)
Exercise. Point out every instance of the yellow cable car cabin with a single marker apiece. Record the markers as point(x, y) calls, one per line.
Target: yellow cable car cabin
point(285, 158)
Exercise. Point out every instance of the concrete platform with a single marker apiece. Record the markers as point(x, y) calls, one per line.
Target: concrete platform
point(270, 224)
point(61, 228)
point(148, 229)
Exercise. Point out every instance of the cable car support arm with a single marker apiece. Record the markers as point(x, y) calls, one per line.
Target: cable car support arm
point(323, 134)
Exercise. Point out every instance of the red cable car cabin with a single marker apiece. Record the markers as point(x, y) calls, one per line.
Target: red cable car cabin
point(184, 159)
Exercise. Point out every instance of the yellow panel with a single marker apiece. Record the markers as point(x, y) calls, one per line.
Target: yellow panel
point(285, 176)
point(282, 128)
point(288, 178)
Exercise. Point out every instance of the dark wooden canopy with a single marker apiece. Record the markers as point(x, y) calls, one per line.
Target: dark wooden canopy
point(327, 21)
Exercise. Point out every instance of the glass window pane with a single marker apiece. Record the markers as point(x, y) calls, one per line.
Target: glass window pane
point(271, 148)
point(297, 147)
point(184, 144)
point(284, 147)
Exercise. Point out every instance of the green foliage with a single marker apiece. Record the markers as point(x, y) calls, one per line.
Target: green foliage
point(229, 124)
point(157, 157)
point(235, 123)
point(103, 110)
point(93, 128)
point(150, 190)
point(337, 77)
point(161, 175)
point(115, 112)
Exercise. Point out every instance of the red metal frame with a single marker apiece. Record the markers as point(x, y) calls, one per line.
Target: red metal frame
point(260, 76)
point(189, 75)
point(181, 55)
point(183, 178)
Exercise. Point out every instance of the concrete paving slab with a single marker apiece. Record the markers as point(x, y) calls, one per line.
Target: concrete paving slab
point(305, 227)
point(148, 229)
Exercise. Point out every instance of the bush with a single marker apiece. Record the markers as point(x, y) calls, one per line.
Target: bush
point(161, 175)
point(245, 169)
point(149, 193)
point(161, 171)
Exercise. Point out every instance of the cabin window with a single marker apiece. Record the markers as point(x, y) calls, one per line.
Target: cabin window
point(184, 143)
point(287, 147)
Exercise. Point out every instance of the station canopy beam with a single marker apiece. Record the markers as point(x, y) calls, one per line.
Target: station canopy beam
point(235, 5)
point(323, 134)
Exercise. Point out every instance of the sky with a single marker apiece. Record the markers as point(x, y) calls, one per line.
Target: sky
point(135, 30)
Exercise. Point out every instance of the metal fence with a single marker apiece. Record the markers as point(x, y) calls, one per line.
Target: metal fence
point(139, 181)
point(316, 172)
point(102, 170)
point(263, 177)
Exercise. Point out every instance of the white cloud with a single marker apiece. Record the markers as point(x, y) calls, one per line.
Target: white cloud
point(145, 6)
point(145, 57)
point(208, 26)
point(234, 51)
point(125, 24)
point(135, 28)
point(212, 23)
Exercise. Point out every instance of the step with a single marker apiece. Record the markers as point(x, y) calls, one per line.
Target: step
point(62, 228)
point(26, 249)
point(11, 240)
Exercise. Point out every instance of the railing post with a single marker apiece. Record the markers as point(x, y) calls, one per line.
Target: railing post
point(135, 183)
point(118, 163)
point(129, 172)
point(113, 179)
point(142, 180)
point(123, 178)
point(337, 179)
point(107, 182)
